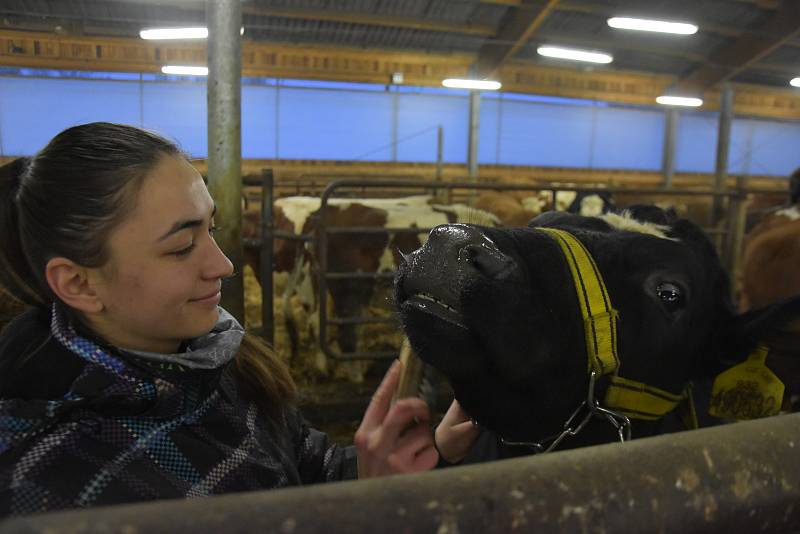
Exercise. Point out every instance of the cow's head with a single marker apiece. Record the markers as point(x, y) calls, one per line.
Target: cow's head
point(497, 311)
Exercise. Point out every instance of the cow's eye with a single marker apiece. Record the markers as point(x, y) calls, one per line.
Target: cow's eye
point(670, 295)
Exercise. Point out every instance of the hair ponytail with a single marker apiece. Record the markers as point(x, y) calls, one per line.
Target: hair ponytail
point(264, 374)
point(16, 276)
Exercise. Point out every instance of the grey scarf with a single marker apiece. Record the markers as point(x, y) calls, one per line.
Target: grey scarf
point(210, 351)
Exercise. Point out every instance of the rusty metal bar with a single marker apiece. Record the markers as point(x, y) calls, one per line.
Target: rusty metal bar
point(473, 135)
point(426, 185)
point(742, 477)
point(723, 149)
point(670, 135)
point(439, 152)
point(267, 257)
point(322, 282)
point(737, 217)
point(224, 95)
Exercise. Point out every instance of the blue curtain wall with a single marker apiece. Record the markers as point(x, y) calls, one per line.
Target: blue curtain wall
point(295, 119)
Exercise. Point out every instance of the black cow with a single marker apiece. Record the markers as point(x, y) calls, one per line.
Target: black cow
point(497, 312)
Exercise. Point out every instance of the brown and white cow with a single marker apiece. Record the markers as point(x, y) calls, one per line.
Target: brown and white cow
point(516, 208)
point(771, 254)
point(771, 260)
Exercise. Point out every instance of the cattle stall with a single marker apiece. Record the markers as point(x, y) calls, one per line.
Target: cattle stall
point(733, 478)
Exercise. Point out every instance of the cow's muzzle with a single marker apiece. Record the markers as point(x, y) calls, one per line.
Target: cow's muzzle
point(454, 258)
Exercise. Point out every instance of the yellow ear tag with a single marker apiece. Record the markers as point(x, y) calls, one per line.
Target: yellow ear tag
point(748, 390)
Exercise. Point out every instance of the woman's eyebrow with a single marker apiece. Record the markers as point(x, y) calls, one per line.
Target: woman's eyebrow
point(186, 223)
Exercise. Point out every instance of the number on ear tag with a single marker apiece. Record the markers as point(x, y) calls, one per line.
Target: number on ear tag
point(748, 390)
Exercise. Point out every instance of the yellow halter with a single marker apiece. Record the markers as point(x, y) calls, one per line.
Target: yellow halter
point(629, 397)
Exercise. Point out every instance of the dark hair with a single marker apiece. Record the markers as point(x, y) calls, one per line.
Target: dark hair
point(67, 199)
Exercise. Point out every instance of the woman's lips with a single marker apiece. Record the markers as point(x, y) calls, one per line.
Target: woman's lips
point(213, 298)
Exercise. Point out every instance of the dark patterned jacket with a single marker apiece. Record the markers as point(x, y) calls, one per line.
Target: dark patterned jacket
point(73, 434)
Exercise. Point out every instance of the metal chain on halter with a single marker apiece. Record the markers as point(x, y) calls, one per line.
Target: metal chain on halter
point(593, 409)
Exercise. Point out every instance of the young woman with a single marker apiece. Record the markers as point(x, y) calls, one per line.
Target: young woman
point(126, 381)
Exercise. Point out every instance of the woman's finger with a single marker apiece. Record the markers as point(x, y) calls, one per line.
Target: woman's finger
point(404, 413)
point(425, 460)
point(415, 442)
point(415, 439)
point(466, 432)
point(382, 398)
point(455, 414)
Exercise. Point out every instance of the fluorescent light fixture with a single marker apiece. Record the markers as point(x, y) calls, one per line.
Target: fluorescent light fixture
point(174, 33)
point(483, 85)
point(183, 69)
point(795, 82)
point(647, 25)
point(177, 33)
point(691, 102)
point(574, 54)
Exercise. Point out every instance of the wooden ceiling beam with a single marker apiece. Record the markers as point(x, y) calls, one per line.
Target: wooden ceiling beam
point(50, 51)
point(517, 27)
point(727, 61)
point(371, 20)
point(482, 30)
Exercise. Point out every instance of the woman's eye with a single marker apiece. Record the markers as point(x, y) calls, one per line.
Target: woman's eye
point(213, 229)
point(183, 251)
point(670, 295)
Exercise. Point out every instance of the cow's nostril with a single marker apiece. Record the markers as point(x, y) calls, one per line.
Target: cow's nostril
point(470, 252)
point(488, 261)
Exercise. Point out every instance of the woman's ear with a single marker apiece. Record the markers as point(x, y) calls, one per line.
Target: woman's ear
point(70, 283)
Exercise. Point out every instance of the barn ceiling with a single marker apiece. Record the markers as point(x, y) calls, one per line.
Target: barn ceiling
point(753, 41)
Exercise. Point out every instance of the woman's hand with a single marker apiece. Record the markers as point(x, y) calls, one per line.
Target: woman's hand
point(394, 439)
point(455, 434)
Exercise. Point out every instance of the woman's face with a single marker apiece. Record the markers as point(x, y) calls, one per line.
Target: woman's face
point(161, 284)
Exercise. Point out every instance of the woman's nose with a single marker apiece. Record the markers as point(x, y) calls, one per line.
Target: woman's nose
point(217, 265)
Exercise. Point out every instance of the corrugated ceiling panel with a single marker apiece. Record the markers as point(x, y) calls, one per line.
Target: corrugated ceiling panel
point(275, 29)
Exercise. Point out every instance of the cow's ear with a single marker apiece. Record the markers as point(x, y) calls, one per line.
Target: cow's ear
point(686, 230)
point(778, 327)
